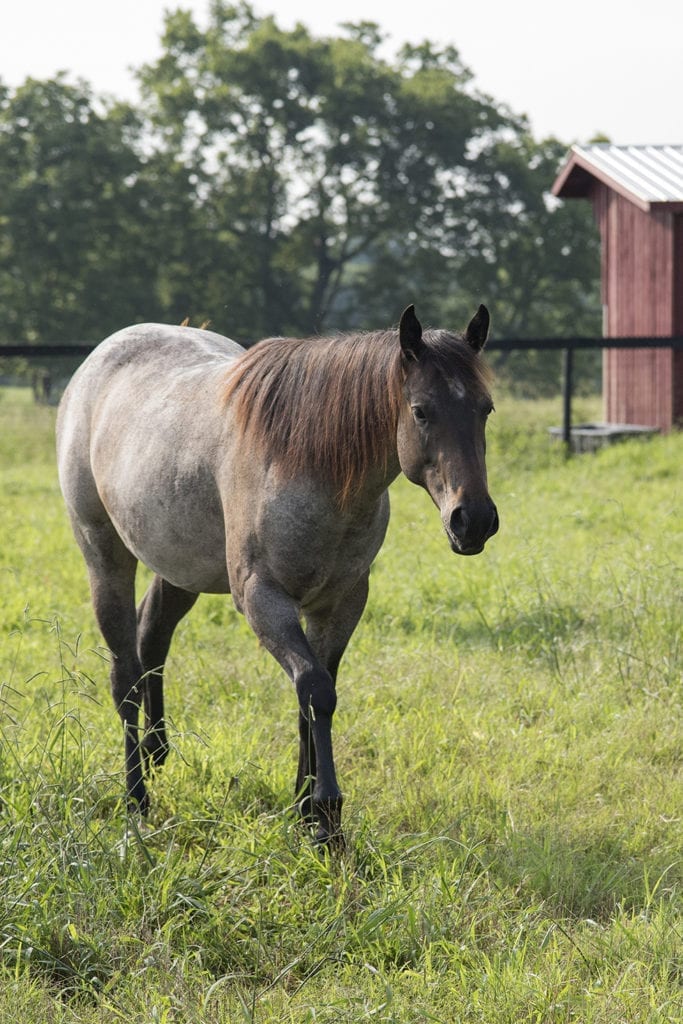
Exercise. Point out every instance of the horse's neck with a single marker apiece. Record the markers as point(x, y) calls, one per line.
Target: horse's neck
point(377, 480)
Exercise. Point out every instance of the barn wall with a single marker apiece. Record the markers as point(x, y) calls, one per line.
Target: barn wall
point(677, 414)
point(642, 258)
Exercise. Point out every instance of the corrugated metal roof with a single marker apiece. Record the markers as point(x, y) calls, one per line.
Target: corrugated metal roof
point(648, 174)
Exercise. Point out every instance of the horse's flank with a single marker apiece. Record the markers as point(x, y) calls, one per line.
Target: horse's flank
point(329, 407)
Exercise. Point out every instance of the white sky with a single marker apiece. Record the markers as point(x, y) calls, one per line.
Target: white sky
point(586, 66)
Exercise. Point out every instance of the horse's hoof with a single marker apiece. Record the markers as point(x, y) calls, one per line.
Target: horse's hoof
point(332, 841)
point(329, 832)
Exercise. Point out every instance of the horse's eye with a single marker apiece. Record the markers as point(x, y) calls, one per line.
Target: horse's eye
point(419, 414)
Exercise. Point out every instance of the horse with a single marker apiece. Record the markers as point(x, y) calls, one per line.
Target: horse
point(262, 473)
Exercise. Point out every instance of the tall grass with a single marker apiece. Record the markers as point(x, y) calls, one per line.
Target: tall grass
point(509, 739)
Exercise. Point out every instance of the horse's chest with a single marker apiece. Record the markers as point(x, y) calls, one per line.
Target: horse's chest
point(312, 562)
point(312, 550)
point(311, 571)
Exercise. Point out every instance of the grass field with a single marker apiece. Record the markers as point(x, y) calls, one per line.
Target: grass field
point(509, 739)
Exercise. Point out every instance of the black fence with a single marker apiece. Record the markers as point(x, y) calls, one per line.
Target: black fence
point(570, 345)
point(566, 345)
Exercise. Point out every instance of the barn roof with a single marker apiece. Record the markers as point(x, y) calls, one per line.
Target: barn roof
point(649, 176)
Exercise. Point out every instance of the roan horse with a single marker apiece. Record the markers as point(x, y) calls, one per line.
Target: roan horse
point(262, 473)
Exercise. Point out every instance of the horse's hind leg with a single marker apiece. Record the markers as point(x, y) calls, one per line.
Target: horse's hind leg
point(159, 612)
point(111, 569)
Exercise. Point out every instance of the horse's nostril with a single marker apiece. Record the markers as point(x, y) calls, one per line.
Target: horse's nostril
point(459, 521)
point(477, 524)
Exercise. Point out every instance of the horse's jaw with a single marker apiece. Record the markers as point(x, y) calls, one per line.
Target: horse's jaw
point(457, 548)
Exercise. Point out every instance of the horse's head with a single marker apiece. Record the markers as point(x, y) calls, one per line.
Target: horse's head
point(441, 442)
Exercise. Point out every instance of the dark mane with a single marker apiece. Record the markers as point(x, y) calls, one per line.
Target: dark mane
point(330, 406)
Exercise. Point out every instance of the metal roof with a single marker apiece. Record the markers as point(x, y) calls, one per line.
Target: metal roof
point(648, 175)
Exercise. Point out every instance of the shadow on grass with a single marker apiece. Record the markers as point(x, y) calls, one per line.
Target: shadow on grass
point(585, 879)
point(538, 630)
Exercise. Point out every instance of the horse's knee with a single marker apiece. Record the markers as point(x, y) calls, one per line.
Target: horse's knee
point(316, 693)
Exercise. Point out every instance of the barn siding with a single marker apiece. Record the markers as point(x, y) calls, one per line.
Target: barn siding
point(637, 198)
point(640, 251)
point(677, 362)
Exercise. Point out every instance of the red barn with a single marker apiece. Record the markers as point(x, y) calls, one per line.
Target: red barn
point(637, 197)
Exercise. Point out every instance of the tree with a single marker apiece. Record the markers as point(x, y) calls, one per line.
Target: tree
point(91, 229)
point(316, 152)
point(274, 182)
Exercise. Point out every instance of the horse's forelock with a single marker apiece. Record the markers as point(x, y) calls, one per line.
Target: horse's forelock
point(455, 358)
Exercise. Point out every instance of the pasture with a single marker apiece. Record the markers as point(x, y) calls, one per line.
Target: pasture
point(509, 741)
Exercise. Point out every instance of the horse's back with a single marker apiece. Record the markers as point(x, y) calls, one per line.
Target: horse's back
point(145, 347)
point(138, 427)
point(127, 376)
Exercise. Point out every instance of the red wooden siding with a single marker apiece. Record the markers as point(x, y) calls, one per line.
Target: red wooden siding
point(637, 197)
point(677, 365)
point(642, 261)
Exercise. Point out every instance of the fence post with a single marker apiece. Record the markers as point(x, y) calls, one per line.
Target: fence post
point(567, 368)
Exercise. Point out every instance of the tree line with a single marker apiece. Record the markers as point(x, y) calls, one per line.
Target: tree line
point(273, 182)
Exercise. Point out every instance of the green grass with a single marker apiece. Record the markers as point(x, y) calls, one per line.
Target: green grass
point(509, 739)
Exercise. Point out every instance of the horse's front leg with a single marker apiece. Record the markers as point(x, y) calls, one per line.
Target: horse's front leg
point(274, 617)
point(328, 630)
point(306, 769)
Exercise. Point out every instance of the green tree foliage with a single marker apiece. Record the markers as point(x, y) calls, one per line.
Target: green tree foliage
point(538, 262)
point(321, 156)
point(94, 235)
point(65, 205)
point(275, 182)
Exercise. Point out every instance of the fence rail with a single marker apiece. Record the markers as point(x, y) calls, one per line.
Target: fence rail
point(84, 348)
point(566, 345)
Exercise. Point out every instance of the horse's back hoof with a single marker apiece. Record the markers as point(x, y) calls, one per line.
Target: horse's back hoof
point(138, 802)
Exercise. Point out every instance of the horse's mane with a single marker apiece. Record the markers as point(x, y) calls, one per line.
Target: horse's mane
point(330, 406)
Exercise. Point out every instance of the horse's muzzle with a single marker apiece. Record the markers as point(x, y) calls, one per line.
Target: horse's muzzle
point(470, 526)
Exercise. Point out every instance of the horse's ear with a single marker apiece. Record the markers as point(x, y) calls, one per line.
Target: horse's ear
point(410, 334)
point(478, 329)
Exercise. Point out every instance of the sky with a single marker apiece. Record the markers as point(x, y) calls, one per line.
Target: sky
point(589, 67)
